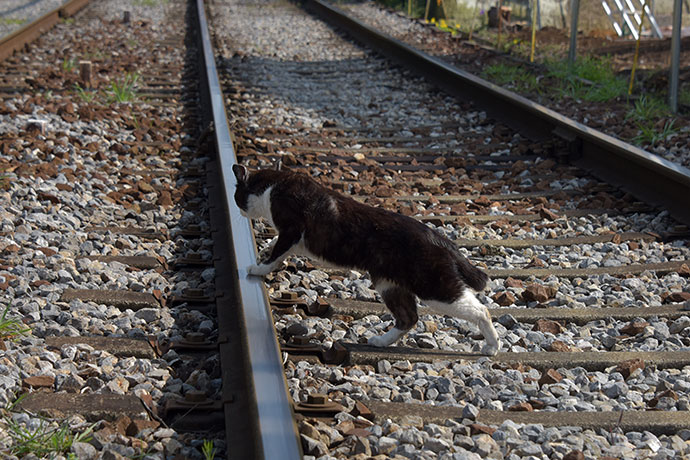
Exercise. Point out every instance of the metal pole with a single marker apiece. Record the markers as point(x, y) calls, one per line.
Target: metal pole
point(675, 56)
point(534, 29)
point(574, 12)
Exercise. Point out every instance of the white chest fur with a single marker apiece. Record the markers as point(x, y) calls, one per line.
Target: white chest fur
point(260, 206)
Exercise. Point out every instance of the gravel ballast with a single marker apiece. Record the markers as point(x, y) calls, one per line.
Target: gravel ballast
point(287, 88)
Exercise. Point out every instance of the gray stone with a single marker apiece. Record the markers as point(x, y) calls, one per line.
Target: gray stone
point(507, 321)
point(485, 446)
point(386, 445)
point(383, 366)
point(616, 390)
point(313, 447)
point(470, 411)
point(466, 455)
point(148, 314)
point(84, 451)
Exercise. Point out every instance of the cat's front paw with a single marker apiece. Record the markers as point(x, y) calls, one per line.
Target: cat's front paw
point(378, 341)
point(259, 270)
point(490, 349)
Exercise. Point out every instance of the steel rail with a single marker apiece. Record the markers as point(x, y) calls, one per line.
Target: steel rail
point(30, 32)
point(646, 176)
point(275, 425)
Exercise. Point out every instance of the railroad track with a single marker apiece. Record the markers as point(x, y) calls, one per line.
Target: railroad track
point(581, 268)
point(106, 255)
point(142, 325)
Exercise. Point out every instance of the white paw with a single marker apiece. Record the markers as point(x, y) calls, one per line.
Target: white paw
point(259, 270)
point(377, 341)
point(490, 349)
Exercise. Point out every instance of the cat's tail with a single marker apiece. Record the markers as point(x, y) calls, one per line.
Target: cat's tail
point(473, 276)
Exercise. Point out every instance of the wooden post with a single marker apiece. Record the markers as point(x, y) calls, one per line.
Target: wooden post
point(85, 74)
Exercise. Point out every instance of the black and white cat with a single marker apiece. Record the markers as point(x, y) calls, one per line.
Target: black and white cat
point(404, 257)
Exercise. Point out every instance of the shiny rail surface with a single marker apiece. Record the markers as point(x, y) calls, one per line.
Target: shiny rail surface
point(275, 425)
point(650, 178)
point(20, 38)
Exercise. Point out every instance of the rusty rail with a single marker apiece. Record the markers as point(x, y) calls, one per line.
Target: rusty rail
point(30, 32)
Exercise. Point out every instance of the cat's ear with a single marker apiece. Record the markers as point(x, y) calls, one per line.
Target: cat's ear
point(241, 173)
point(279, 165)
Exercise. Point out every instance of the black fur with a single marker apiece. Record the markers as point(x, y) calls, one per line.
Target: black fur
point(342, 231)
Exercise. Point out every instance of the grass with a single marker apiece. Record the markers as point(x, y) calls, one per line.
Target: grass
point(648, 114)
point(646, 108)
point(590, 79)
point(650, 134)
point(84, 94)
point(684, 96)
point(418, 6)
point(97, 55)
point(4, 181)
point(208, 450)
point(135, 121)
point(511, 76)
point(120, 90)
point(12, 21)
point(123, 89)
point(46, 440)
point(11, 328)
point(150, 3)
point(69, 65)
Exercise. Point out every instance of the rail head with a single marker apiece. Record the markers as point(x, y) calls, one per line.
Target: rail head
point(647, 176)
point(276, 429)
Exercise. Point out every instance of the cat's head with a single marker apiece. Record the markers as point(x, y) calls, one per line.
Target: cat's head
point(242, 191)
point(250, 193)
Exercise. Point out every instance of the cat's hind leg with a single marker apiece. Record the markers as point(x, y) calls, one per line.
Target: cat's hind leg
point(469, 308)
point(403, 305)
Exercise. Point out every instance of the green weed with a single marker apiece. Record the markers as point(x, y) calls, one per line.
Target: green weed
point(650, 134)
point(647, 113)
point(511, 76)
point(4, 181)
point(69, 65)
point(97, 55)
point(150, 3)
point(590, 79)
point(135, 121)
point(11, 328)
point(417, 7)
point(46, 440)
point(208, 450)
point(123, 90)
point(12, 21)
point(684, 96)
point(85, 95)
point(645, 109)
